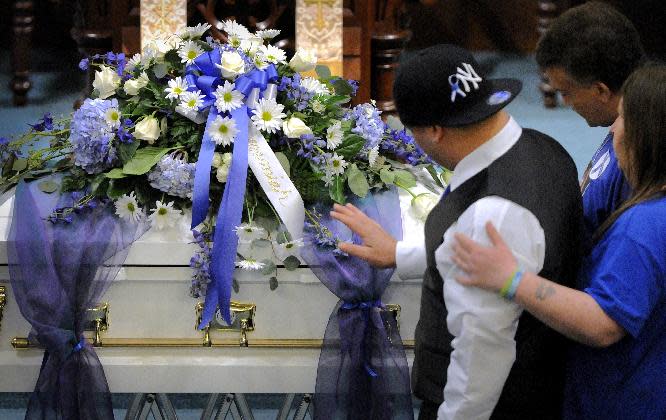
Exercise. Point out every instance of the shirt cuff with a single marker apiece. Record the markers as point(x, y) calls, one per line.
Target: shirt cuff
point(410, 260)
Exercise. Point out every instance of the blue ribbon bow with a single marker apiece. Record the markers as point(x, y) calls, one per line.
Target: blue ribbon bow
point(205, 76)
point(365, 307)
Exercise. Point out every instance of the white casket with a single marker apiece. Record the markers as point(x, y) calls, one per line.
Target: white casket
point(151, 344)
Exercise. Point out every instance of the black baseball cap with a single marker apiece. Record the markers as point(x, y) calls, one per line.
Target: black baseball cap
point(443, 85)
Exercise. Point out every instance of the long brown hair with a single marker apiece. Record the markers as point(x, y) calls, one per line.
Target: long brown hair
point(644, 109)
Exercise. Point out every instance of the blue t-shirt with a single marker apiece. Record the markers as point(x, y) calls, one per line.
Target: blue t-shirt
point(604, 188)
point(626, 275)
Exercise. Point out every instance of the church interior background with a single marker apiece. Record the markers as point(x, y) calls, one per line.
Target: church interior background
point(43, 41)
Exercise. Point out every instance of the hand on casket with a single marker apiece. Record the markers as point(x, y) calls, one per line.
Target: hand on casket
point(378, 246)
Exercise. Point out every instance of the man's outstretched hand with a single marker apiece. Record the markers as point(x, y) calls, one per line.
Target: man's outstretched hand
point(378, 246)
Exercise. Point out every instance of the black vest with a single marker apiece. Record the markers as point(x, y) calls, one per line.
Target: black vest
point(539, 175)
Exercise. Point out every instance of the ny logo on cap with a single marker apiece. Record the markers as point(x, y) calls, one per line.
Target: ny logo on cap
point(466, 76)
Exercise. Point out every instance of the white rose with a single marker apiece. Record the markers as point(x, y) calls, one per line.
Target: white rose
point(231, 64)
point(295, 128)
point(106, 82)
point(133, 86)
point(147, 129)
point(422, 204)
point(222, 173)
point(303, 60)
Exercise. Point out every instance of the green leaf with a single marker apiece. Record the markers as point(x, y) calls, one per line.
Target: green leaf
point(115, 173)
point(433, 173)
point(350, 146)
point(116, 189)
point(261, 243)
point(342, 87)
point(337, 190)
point(20, 164)
point(283, 237)
point(291, 263)
point(387, 176)
point(268, 223)
point(144, 159)
point(48, 186)
point(404, 178)
point(126, 151)
point(323, 71)
point(273, 283)
point(268, 268)
point(358, 183)
point(283, 161)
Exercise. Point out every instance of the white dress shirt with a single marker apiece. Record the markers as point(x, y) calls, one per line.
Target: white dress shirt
point(483, 323)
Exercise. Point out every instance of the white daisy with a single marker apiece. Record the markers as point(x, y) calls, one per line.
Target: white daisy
point(259, 61)
point(177, 87)
point(133, 62)
point(228, 98)
point(315, 86)
point(194, 32)
point(328, 178)
point(128, 209)
point(337, 164)
point(191, 101)
point(163, 215)
point(189, 51)
point(334, 136)
point(112, 117)
point(231, 27)
point(235, 41)
point(268, 115)
point(251, 45)
point(247, 232)
point(268, 33)
point(273, 54)
point(250, 264)
point(223, 130)
point(288, 249)
point(373, 154)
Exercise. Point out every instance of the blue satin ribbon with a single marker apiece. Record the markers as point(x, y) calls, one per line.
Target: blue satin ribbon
point(205, 76)
point(365, 307)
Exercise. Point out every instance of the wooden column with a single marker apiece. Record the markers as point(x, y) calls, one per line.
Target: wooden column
point(547, 11)
point(22, 27)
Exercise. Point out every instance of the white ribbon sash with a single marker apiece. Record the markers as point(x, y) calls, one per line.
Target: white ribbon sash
point(276, 183)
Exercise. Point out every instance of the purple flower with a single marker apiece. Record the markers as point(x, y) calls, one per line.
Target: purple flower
point(123, 132)
point(46, 123)
point(84, 63)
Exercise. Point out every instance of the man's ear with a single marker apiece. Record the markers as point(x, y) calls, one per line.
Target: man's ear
point(438, 133)
point(603, 91)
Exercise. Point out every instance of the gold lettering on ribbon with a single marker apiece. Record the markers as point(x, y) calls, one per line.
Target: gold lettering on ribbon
point(272, 180)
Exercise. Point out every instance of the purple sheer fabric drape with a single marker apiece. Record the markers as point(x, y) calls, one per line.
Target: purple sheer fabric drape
point(57, 271)
point(362, 372)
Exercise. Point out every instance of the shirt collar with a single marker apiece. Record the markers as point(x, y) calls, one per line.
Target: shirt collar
point(487, 153)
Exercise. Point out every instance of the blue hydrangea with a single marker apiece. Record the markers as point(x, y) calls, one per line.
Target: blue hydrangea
point(173, 175)
point(92, 138)
point(368, 124)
